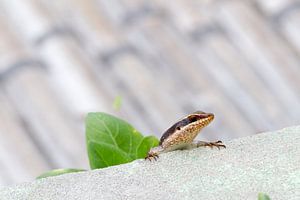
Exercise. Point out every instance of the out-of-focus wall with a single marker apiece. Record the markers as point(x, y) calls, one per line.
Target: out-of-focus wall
point(60, 60)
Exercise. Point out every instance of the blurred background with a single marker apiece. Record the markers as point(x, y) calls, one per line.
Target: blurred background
point(61, 59)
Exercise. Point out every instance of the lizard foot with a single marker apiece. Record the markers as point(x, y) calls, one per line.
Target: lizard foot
point(151, 156)
point(217, 144)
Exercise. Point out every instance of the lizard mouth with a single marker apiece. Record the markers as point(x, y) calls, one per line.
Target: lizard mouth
point(210, 116)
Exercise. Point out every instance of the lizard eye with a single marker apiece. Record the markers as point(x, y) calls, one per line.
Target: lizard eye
point(193, 118)
point(178, 128)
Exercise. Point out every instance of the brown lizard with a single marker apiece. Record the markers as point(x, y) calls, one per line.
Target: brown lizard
point(182, 134)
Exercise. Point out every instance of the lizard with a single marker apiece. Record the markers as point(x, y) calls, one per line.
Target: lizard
point(181, 135)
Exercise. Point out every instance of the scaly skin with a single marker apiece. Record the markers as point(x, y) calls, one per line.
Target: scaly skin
point(182, 134)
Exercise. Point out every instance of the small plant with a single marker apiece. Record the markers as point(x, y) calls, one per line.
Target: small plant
point(57, 172)
point(262, 196)
point(117, 103)
point(110, 141)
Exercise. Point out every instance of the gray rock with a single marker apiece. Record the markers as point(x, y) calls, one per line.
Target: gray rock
point(267, 162)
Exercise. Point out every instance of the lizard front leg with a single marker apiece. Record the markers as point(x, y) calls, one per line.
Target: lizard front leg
point(154, 152)
point(196, 144)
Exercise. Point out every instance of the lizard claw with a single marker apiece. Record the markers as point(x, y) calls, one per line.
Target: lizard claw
point(150, 156)
point(217, 144)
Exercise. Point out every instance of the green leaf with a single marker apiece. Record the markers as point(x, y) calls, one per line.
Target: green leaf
point(262, 196)
point(57, 172)
point(112, 141)
point(145, 145)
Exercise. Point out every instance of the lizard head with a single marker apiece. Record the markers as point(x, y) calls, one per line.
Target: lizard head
point(199, 118)
point(195, 121)
point(191, 123)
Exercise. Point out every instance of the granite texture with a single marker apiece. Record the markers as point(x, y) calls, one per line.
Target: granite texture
point(267, 162)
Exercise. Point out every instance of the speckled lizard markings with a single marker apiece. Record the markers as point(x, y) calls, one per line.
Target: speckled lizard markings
point(182, 134)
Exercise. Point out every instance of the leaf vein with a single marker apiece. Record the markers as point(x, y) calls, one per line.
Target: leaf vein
point(109, 131)
point(108, 144)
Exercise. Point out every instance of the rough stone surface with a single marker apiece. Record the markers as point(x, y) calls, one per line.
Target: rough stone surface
point(267, 162)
